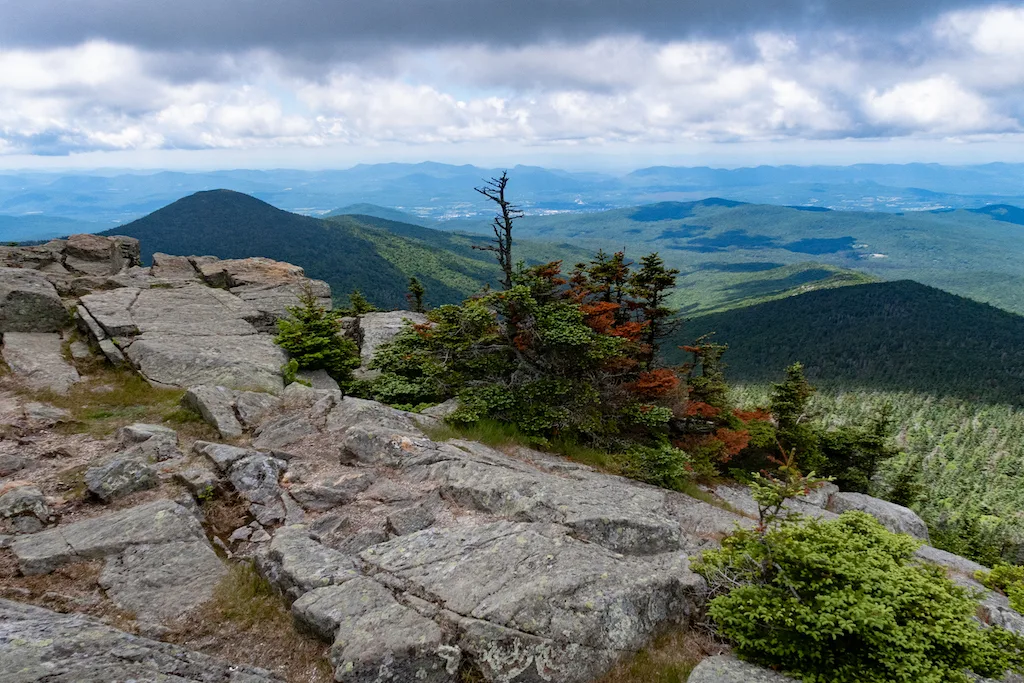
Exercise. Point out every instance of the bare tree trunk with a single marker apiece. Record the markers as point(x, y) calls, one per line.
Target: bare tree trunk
point(494, 189)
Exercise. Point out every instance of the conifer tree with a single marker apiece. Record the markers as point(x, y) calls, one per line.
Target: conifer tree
point(651, 286)
point(312, 336)
point(415, 295)
point(358, 304)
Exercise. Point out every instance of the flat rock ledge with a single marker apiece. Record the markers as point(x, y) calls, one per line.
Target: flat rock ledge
point(159, 564)
point(37, 646)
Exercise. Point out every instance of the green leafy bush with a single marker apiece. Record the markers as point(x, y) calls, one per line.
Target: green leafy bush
point(1009, 579)
point(844, 601)
point(312, 336)
point(663, 466)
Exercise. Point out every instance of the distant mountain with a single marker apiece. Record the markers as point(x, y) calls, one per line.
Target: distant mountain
point(977, 253)
point(889, 335)
point(371, 254)
point(377, 212)
point(442, 191)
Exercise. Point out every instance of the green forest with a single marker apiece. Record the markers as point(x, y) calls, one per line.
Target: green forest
point(960, 463)
point(890, 335)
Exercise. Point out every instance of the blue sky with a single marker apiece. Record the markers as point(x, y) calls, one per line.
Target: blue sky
point(571, 83)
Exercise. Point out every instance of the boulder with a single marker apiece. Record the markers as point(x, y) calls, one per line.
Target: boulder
point(216, 405)
point(111, 312)
point(38, 645)
point(120, 476)
point(37, 359)
point(243, 362)
point(282, 432)
point(330, 493)
point(200, 481)
point(351, 411)
point(269, 286)
point(187, 336)
point(895, 518)
point(611, 511)
point(442, 410)
point(94, 255)
point(252, 407)
point(26, 500)
point(256, 477)
point(297, 564)
point(158, 522)
point(45, 414)
point(319, 379)
point(173, 267)
point(372, 633)
point(9, 464)
point(222, 455)
point(29, 303)
point(739, 498)
point(727, 669)
point(379, 328)
point(558, 608)
point(153, 443)
point(414, 518)
point(46, 258)
point(160, 582)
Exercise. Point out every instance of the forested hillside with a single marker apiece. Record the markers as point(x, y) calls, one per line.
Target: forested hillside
point(960, 466)
point(373, 255)
point(891, 335)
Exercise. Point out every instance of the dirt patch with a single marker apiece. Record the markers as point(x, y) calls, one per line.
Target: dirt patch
point(71, 588)
point(247, 622)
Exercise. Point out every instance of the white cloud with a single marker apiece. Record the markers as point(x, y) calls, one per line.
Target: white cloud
point(965, 79)
point(937, 104)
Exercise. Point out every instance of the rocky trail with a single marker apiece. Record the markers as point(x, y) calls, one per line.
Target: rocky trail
point(212, 524)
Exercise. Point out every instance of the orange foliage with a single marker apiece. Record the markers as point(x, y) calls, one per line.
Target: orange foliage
point(699, 409)
point(733, 441)
point(631, 331)
point(655, 383)
point(600, 316)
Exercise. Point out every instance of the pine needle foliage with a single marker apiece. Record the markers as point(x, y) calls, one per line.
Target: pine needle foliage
point(312, 336)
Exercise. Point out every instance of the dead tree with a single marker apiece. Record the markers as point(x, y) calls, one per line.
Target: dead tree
point(494, 189)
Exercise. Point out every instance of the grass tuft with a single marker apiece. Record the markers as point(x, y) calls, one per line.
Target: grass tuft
point(669, 659)
point(248, 622)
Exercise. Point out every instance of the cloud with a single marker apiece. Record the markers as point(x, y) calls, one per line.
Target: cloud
point(937, 104)
point(310, 26)
point(956, 75)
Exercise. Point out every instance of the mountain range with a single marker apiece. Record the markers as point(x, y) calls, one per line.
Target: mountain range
point(432, 191)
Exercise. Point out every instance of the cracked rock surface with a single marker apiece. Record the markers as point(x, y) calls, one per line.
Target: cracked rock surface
point(38, 645)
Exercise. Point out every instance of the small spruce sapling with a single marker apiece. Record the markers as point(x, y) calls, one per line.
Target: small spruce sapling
point(358, 304)
point(312, 336)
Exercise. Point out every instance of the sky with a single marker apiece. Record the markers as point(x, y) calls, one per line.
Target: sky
point(574, 83)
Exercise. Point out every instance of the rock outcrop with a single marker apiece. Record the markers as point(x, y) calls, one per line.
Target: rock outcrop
point(895, 518)
point(37, 358)
point(532, 570)
point(29, 303)
point(38, 645)
point(158, 565)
